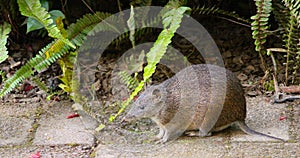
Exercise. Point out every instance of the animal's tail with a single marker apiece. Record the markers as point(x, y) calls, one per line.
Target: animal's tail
point(248, 130)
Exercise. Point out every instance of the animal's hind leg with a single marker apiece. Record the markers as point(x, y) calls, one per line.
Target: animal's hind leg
point(198, 133)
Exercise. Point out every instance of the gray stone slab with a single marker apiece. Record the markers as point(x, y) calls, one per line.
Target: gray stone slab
point(16, 122)
point(262, 116)
point(263, 149)
point(204, 148)
point(295, 126)
point(14, 131)
point(46, 152)
point(187, 147)
point(209, 149)
point(56, 129)
point(18, 109)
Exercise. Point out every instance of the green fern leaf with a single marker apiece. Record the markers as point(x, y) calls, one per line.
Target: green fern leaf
point(34, 9)
point(203, 10)
point(2, 74)
point(4, 31)
point(171, 22)
point(260, 24)
point(76, 33)
point(40, 84)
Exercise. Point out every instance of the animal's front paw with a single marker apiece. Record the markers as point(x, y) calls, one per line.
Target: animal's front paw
point(161, 141)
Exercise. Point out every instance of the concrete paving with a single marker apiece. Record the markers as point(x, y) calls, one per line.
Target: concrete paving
point(16, 121)
point(262, 117)
point(54, 129)
point(26, 129)
point(30, 128)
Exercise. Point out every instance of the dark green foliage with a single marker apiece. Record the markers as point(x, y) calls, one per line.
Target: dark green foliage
point(260, 24)
point(286, 12)
point(2, 76)
point(291, 34)
point(39, 83)
point(4, 31)
point(131, 82)
point(287, 15)
point(214, 11)
point(34, 9)
point(33, 24)
point(171, 19)
point(57, 49)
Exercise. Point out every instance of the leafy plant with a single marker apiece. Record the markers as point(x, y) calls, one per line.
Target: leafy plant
point(60, 48)
point(291, 36)
point(34, 9)
point(66, 63)
point(74, 36)
point(4, 31)
point(171, 22)
point(134, 66)
point(63, 47)
point(33, 24)
point(219, 13)
point(287, 15)
point(260, 26)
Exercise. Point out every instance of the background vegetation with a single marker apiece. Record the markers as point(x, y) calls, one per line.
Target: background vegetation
point(61, 28)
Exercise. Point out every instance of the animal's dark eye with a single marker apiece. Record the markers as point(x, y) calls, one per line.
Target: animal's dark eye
point(142, 107)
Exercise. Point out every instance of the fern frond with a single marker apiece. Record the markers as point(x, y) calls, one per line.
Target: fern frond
point(203, 10)
point(76, 33)
point(260, 24)
point(2, 74)
point(24, 72)
point(171, 21)
point(294, 7)
point(39, 63)
point(57, 49)
point(281, 13)
point(130, 82)
point(292, 36)
point(113, 25)
point(291, 40)
point(40, 84)
point(297, 63)
point(34, 9)
point(144, 28)
point(89, 25)
point(4, 31)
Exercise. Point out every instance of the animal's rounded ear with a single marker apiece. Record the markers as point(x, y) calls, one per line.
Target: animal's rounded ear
point(156, 93)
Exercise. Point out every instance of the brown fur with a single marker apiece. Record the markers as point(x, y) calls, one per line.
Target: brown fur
point(192, 100)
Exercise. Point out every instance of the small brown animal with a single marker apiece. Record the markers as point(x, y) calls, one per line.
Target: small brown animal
point(204, 98)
